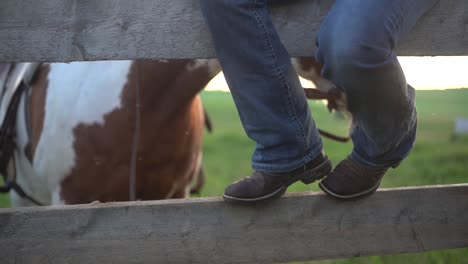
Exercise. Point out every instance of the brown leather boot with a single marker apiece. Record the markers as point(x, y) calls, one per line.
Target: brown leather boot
point(350, 179)
point(264, 185)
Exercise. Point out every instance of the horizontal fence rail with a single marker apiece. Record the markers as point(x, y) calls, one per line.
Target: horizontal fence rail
point(298, 227)
point(77, 30)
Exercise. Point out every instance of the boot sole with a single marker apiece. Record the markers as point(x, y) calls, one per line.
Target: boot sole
point(306, 177)
point(351, 196)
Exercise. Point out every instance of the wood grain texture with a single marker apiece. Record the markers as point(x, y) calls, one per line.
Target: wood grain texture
point(75, 30)
point(298, 227)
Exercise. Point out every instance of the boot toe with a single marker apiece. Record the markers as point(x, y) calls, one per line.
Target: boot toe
point(243, 189)
point(350, 180)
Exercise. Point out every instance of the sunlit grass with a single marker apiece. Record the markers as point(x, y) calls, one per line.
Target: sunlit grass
point(436, 159)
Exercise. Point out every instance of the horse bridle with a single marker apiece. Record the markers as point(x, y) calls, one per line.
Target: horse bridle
point(8, 145)
point(132, 193)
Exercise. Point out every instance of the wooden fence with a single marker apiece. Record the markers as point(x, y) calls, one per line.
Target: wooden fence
point(297, 227)
point(75, 30)
point(294, 228)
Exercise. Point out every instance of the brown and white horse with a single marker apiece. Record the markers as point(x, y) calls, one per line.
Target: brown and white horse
point(92, 125)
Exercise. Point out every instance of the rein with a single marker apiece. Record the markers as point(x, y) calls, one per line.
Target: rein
point(136, 135)
point(316, 94)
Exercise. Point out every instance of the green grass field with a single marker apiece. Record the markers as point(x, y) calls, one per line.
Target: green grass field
point(436, 159)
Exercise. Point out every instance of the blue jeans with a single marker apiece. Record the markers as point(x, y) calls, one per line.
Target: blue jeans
point(355, 45)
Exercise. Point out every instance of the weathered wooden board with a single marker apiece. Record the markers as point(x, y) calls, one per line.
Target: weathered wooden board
point(74, 30)
point(294, 228)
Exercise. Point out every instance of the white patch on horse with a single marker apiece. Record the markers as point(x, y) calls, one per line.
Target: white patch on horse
point(78, 93)
point(56, 198)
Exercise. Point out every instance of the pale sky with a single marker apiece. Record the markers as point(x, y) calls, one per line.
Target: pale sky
point(423, 73)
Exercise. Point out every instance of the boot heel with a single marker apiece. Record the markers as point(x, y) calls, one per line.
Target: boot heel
point(319, 173)
point(309, 180)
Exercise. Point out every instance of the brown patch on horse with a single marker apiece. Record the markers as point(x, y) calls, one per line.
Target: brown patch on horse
point(310, 64)
point(36, 106)
point(170, 143)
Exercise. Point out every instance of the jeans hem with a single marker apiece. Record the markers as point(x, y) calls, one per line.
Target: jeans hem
point(291, 165)
point(360, 159)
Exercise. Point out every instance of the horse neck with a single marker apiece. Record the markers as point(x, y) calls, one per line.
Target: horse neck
point(170, 86)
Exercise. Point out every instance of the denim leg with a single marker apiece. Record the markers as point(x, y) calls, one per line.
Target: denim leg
point(266, 89)
point(356, 46)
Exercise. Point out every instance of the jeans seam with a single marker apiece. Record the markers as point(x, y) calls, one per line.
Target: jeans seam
point(290, 106)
